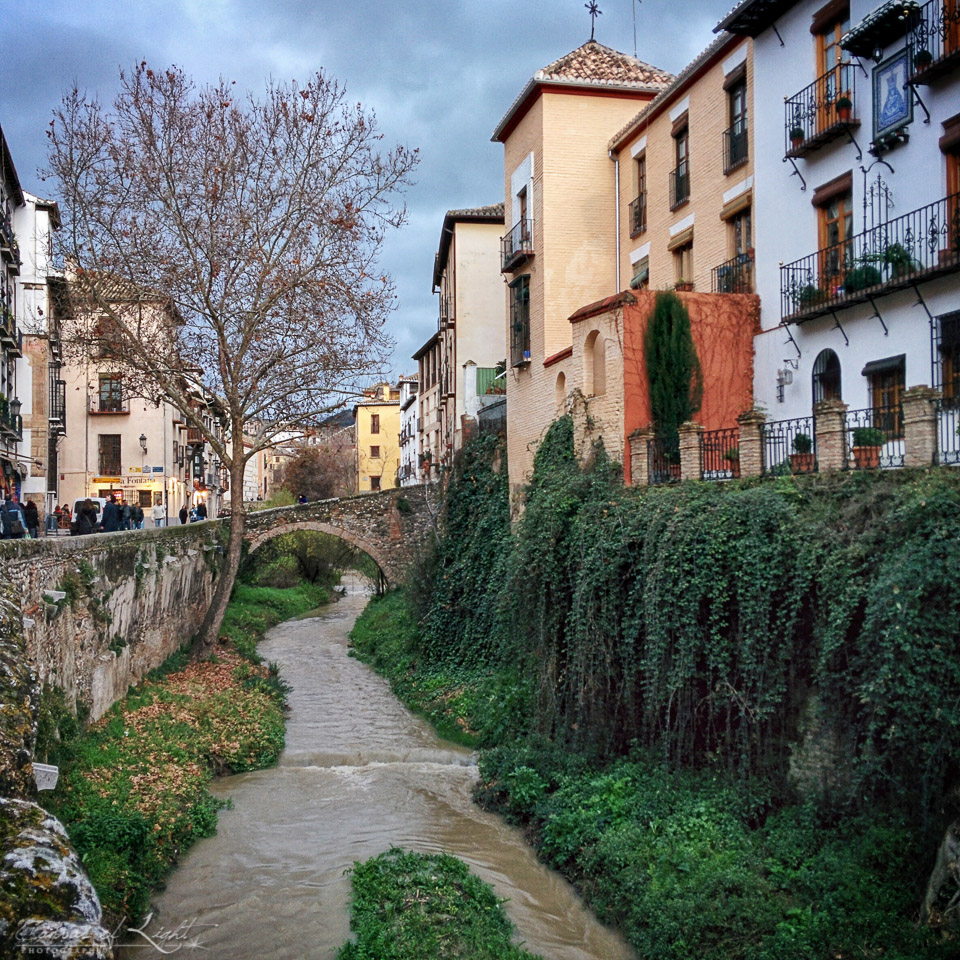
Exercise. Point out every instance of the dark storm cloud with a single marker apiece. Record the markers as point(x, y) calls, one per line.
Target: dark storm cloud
point(439, 74)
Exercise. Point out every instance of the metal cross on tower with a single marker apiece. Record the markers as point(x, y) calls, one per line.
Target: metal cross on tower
point(595, 12)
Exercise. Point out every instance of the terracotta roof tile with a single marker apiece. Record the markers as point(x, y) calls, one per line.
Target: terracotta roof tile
point(595, 63)
point(494, 210)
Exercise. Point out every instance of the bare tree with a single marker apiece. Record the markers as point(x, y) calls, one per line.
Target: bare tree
point(257, 223)
point(320, 472)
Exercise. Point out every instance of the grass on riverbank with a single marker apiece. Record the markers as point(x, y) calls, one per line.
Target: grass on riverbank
point(410, 906)
point(473, 706)
point(133, 791)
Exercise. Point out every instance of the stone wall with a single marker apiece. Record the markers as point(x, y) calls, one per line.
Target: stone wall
point(101, 611)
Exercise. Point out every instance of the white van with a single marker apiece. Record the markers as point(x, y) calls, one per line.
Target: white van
point(98, 502)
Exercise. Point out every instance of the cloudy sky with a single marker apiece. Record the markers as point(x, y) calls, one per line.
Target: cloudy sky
point(439, 74)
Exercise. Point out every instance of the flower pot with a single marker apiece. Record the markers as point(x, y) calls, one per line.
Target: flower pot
point(684, 286)
point(843, 114)
point(866, 458)
point(801, 462)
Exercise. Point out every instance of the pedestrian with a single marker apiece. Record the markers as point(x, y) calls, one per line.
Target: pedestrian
point(86, 519)
point(111, 515)
point(183, 515)
point(58, 518)
point(126, 515)
point(66, 516)
point(137, 516)
point(301, 499)
point(32, 517)
point(12, 522)
point(193, 515)
point(159, 514)
point(202, 510)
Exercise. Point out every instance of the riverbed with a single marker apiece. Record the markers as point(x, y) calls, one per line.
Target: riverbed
point(359, 775)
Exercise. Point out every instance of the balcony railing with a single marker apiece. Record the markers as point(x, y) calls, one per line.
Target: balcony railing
point(57, 412)
point(663, 460)
point(9, 334)
point(720, 454)
point(680, 185)
point(789, 446)
point(517, 245)
point(935, 41)
point(919, 245)
point(875, 437)
point(446, 311)
point(9, 249)
point(638, 215)
point(821, 112)
point(735, 152)
point(108, 405)
point(734, 276)
point(195, 436)
point(948, 437)
point(519, 331)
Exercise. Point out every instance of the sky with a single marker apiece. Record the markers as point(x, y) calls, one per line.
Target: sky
point(439, 74)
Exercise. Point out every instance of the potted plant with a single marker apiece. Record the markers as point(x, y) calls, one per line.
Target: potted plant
point(859, 278)
point(683, 286)
point(844, 105)
point(797, 136)
point(809, 296)
point(898, 258)
point(801, 460)
point(922, 59)
point(732, 457)
point(867, 443)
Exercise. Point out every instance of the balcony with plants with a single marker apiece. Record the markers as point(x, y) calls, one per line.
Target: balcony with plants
point(109, 404)
point(517, 246)
point(821, 112)
point(11, 422)
point(734, 275)
point(917, 246)
point(935, 41)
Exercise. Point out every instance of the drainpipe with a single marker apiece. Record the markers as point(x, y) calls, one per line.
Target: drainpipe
point(616, 193)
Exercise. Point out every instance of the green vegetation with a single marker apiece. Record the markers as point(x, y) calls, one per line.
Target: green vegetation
point(410, 906)
point(736, 708)
point(133, 790)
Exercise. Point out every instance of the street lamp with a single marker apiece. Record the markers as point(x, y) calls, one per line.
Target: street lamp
point(143, 442)
point(15, 406)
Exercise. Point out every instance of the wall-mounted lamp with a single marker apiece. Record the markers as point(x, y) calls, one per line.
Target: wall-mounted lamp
point(143, 442)
point(15, 406)
point(877, 54)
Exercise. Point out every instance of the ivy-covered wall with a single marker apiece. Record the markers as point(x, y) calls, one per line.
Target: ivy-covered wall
point(803, 630)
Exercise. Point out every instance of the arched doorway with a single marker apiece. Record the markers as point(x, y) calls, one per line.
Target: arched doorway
point(826, 377)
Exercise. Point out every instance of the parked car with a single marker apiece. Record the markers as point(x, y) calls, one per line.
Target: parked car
point(98, 502)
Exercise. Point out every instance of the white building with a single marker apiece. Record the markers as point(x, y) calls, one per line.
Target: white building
point(857, 132)
point(409, 431)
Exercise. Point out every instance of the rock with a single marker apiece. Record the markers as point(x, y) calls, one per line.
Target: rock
point(48, 906)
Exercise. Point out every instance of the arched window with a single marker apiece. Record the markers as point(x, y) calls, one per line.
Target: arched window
point(826, 377)
point(595, 366)
point(561, 394)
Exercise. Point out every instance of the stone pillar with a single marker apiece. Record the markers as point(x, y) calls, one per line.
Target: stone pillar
point(691, 466)
point(919, 406)
point(751, 442)
point(831, 419)
point(639, 457)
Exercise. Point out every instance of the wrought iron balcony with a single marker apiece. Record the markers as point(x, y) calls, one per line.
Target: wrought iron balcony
point(11, 426)
point(519, 331)
point(735, 151)
point(57, 410)
point(680, 185)
point(517, 245)
point(821, 112)
point(733, 276)
point(446, 311)
point(638, 215)
point(922, 244)
point(935, 41)
point(109, 405)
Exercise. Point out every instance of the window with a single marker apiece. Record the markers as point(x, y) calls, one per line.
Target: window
point(108, 447)
point(683, 264)
point(836, 231)
point(826, 377)
point(374, 483)
point(374, 422)
point(833, 75)
point(680, 178)
point(953, 201)
point(595, 367)
point(374, 453)
point(145, 498)
point(946, 358)
point(641, 274)
point(560, 393)
point(520, 321)
point(110, 393)
point(638, 209)
point(886, 380)
point(735, 153)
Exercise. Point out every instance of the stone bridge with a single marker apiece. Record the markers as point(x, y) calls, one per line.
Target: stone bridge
point(389, 526)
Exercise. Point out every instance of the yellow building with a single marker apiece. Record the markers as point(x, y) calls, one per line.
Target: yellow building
point(378, 438)
point(560, 251)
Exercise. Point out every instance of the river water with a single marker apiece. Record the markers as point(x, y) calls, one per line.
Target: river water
point(359, 774)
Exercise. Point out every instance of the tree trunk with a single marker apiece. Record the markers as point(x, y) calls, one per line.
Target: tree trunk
point(210, 628)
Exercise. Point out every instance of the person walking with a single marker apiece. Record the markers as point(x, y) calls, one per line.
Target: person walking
point(202, 510)
point(136, 515)
point(86, 519)
point(183, 515)
point(12, 522)
point(111, 516)
point(158, 513)
point(32, 518)
point(126, 515)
